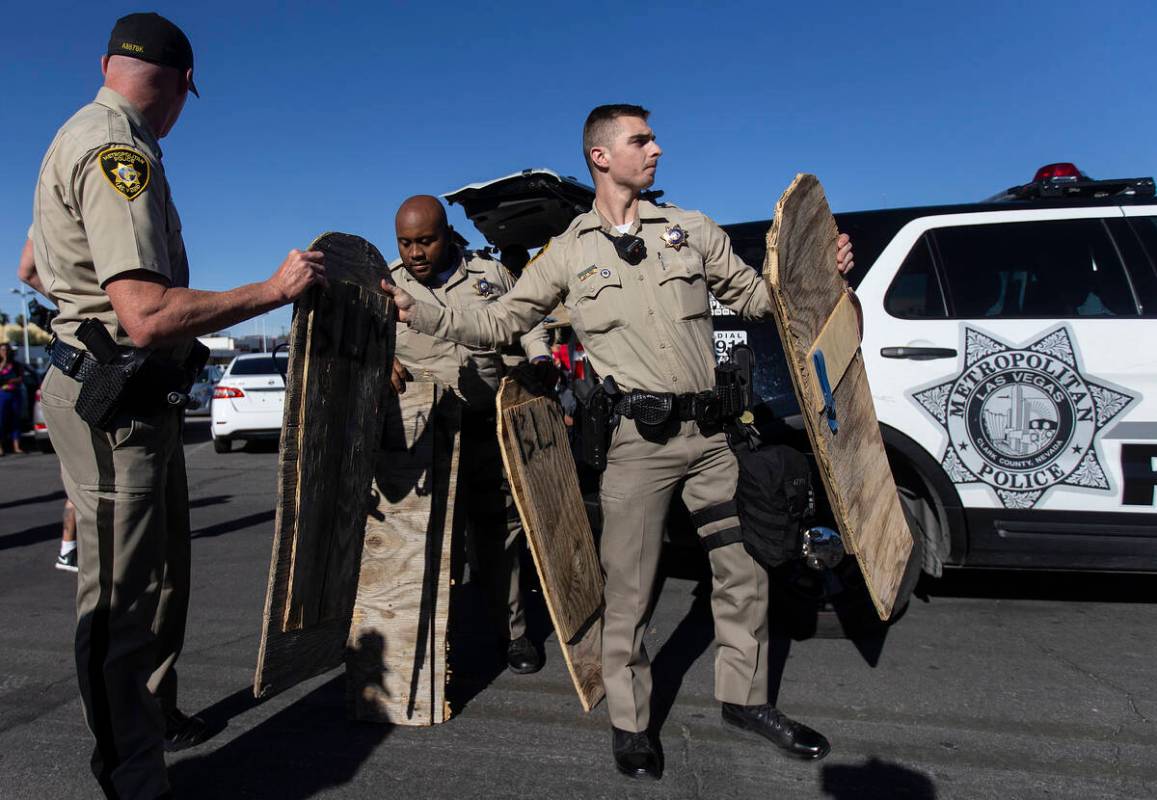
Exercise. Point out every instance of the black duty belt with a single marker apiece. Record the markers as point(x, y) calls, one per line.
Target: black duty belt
point(72, 361)
point(655, 408)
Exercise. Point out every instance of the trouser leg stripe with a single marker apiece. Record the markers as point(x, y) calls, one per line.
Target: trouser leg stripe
point(99, 622)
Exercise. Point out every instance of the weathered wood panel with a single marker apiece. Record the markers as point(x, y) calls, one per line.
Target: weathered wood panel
point(396, 668)
point(341, 345)
point(545, 486)
point(806, 290)
point(839, 341)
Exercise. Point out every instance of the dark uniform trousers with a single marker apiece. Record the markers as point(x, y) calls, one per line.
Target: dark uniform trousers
point(132, 521)
point(636, 491)
point(493, 528)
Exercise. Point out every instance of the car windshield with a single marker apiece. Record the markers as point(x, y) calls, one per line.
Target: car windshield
point(263, 365)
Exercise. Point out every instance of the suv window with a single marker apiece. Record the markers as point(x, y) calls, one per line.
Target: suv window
point(1142, 265)
point(1059, 268)
point(915, 293)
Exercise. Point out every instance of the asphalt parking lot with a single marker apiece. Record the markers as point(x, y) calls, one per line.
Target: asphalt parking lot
point(995, 685)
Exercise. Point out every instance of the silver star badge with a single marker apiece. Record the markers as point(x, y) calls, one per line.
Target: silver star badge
point(674, 237)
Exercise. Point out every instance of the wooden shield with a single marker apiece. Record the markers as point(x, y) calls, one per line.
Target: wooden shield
point(340, 350)
point(545, 485)
point(818, 324)
point(396, 670)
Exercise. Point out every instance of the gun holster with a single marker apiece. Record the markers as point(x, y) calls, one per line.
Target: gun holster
point(595, 419)
point(116, 380)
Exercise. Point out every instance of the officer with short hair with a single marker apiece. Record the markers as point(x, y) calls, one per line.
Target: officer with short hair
point(437, 269)
point(107, 247)
point(636, 278)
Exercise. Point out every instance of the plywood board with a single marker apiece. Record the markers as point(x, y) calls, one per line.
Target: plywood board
point(808, 297)
point(396, 670)
point(340, 349)
point(545, 486)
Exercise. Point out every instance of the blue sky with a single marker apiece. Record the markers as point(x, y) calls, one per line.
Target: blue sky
point(318, 117)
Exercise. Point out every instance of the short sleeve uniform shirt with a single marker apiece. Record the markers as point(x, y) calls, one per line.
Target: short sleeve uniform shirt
point(102, 208)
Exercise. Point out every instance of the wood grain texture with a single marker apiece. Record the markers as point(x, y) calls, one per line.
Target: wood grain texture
point(805, 288)
point(396, 668)
point(545, 486)
point(340, 345)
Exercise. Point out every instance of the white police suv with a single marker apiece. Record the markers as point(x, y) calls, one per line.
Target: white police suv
point(1011, 346)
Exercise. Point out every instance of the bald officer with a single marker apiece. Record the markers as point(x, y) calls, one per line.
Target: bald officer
point(636, 278)
point(107, 246)
point(435, 268)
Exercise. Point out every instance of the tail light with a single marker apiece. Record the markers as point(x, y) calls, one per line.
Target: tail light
point(226, 393)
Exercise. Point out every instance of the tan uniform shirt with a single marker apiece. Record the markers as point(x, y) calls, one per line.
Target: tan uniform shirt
point(648, 325)
point(102, 208)
point(474, 372)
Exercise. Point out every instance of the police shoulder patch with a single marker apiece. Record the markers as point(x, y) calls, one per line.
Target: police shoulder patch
point(127, 170)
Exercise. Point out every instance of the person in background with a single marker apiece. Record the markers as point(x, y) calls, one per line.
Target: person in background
point(435, 265)
point(67, 558)
point(11, 393)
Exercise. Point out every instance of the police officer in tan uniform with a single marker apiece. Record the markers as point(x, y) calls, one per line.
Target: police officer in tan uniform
point(435, 268)
point(636, 279)
point(107, 246)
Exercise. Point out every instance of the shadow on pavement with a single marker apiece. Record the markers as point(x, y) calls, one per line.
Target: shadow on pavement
point(214, 500)
point(28, 501)
point(230, 525)
point(295, 754)
point(41, 533)
point(1023, 585)
point(875, 780)
point(687, 643)
point(474, 656)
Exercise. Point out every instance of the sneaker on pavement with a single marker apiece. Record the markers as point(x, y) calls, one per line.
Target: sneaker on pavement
point(67, 562)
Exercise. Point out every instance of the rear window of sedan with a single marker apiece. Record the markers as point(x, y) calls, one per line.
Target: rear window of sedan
point(264, 365)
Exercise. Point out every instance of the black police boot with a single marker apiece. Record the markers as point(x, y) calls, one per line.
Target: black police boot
point(183, 731)
point(522, 657)
point(793, 738)
point(636, 755)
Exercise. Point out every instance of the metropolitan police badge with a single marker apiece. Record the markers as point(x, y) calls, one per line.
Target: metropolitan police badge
point(675, 237)
point(1023, 419)
point(127, 170)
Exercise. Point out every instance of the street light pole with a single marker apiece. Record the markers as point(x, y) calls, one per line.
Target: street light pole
point(23, 292)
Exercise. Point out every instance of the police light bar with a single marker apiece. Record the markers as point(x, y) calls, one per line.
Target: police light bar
point(1060, 171)
point(1063, 180)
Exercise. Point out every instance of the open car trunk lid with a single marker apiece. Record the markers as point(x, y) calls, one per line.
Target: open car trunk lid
point(526, 208)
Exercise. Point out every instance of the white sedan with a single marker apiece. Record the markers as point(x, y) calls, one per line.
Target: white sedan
point(248, 400)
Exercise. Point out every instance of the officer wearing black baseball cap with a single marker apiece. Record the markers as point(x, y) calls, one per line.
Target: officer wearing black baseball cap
point(106, 237)
point(150, 37)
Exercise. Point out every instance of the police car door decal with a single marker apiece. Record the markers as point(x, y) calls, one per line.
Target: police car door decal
point(1023, 419)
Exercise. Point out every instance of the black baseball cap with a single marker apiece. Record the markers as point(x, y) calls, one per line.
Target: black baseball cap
point(150, 37)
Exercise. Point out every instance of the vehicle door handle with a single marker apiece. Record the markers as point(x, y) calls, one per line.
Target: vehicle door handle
point(918, 353)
